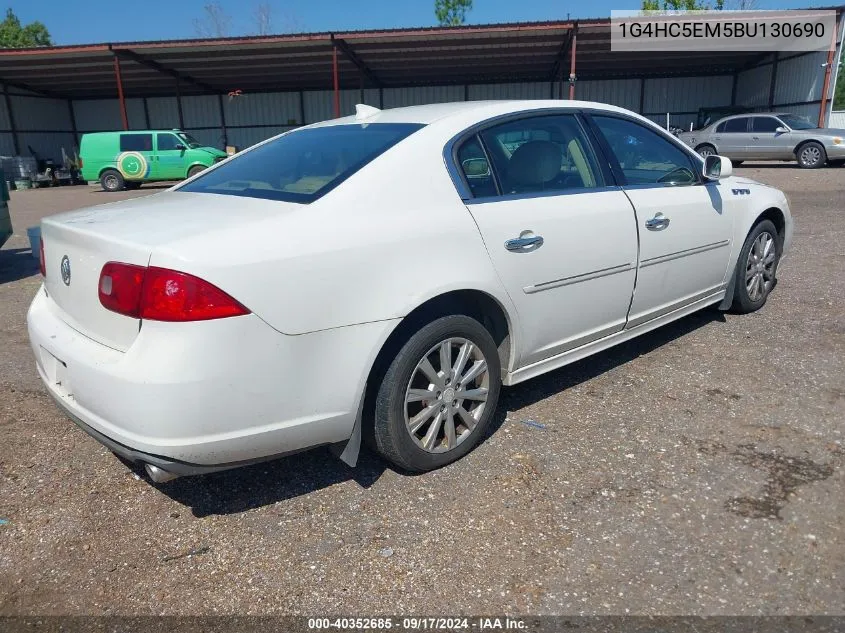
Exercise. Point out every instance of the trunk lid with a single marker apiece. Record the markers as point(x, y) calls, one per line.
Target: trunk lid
point(77, 245)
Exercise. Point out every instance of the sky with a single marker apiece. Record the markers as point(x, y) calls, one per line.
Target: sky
point(95, 21)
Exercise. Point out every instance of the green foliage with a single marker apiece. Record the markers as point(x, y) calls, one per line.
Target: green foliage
point(682, 5)
point(451, 12)
point(13, 35)
point(839, 94)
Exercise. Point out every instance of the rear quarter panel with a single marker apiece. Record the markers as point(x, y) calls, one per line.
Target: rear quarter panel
point(98, 152)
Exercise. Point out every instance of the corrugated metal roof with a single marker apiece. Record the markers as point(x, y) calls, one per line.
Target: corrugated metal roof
point(489, 53)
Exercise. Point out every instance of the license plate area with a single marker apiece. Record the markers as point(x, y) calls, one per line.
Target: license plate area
point(57, 374)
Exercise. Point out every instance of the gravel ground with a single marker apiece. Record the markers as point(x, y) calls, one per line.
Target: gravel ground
point(696, 470)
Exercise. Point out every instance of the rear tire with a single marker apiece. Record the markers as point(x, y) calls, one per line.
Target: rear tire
point(421, 421)
point(112, 180)
point(193, 171)
point(811, 155)
point(756, 268)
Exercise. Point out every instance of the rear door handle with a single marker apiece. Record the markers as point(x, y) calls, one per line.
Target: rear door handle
point(657, 223)
point(526, 241)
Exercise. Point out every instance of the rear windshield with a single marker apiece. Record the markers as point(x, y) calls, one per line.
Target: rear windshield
point(303, 165)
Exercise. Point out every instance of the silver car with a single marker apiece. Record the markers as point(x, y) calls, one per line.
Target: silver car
point(769, 136)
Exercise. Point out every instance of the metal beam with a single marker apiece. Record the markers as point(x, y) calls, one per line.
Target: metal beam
point(120, 99)
point(572, 54)
point(15, 140)
point(37, 91)
point(561, 54)
point(336, 83)
point(353, 57)
point(125, 53)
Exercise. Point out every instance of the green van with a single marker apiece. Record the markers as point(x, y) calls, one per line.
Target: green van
point(125, 160)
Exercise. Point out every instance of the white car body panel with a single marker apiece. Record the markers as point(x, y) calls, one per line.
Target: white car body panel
point(328, 282)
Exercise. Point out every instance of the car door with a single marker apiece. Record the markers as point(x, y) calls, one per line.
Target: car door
point(561, 238)
point(732, 138)
point(136, 158)
point(170, 157)
point(767, 143)
point(685, 230)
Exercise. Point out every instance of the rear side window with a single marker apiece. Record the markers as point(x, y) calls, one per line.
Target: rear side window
point(736, 125)
point(303, 165)
point(136, 142)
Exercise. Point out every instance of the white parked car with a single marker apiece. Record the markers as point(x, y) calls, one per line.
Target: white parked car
point(382, 275)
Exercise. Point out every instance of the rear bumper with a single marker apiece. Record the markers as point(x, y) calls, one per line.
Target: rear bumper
point(195, 397)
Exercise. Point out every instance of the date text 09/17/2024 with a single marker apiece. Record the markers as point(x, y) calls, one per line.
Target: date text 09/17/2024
point(419, 624)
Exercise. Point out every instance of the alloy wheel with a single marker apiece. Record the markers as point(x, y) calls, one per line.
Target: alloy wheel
point(760, 267)
point(446, 395)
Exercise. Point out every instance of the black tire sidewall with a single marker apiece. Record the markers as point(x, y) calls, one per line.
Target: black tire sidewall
point(742, 302)
point(822, 155)
point(121, 183)
point(193, 171)
point(391, 436)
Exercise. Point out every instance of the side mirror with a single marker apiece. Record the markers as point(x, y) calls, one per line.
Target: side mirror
point(781, 130)
point(717, 167)
point(476, 167)
point(180, 147)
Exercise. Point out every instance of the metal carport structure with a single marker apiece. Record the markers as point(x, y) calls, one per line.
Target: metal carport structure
point(197, 84)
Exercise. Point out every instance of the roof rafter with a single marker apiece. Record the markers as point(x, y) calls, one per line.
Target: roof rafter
point(125, 53)
point(353, 57)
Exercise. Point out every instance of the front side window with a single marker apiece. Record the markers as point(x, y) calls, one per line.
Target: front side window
point(303, 165)
point(168, 142)
point(764, 124)
point(644, 156)
point(136, 142)
point(541, 154)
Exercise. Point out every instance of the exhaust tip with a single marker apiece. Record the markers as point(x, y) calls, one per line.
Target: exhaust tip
point(159, 475)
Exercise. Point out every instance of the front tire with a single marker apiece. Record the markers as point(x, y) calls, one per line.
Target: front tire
point(705, 150)
point(112, 180)
point(811, 155)
point(438, 395)
point(756, 268)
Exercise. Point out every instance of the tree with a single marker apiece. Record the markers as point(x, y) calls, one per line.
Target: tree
point(452, 12)
point(682, 5)
point(839, 93)
point(13, 35)
point(214, 23)
point(263, 20)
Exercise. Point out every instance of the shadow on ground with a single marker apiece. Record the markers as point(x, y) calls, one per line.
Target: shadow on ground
point(264, 484)
point(17, 263)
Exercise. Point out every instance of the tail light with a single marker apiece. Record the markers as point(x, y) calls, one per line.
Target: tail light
point(160, 294)
point(41, 263)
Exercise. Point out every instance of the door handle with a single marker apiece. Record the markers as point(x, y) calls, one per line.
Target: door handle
point(657, 223)
point(526, 242)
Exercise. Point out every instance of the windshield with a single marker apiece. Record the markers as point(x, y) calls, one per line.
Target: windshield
point(189, 140)
point(796, 122)
point(302, 165)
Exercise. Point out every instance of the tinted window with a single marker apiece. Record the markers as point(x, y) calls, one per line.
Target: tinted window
point(473, 163)
point(764, 124)
point(644, 155)
point(302, 165)
point(544, 153)
point(136, 142)
point(736, 125)
point(168, 141)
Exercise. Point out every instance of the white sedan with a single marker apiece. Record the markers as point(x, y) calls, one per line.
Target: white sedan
point(382, 275)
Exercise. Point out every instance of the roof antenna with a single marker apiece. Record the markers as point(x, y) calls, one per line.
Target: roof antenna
point(363, 111)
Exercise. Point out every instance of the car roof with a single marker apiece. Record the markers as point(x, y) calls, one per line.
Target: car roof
point(427, 114)
point(131, 132)
point(747, 114)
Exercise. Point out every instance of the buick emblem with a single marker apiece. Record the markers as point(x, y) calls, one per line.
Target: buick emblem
point(66, 270)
